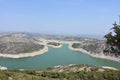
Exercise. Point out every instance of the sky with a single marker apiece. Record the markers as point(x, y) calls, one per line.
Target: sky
point(92, 17)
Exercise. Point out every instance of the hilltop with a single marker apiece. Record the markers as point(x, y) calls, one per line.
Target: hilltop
point(17, 43)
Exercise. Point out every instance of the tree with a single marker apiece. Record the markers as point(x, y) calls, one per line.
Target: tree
point(113, 41)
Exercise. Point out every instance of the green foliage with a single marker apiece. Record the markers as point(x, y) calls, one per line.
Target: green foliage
point(113, 40)
point(45, 75)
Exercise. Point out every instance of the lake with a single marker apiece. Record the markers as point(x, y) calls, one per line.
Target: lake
point(54, 57)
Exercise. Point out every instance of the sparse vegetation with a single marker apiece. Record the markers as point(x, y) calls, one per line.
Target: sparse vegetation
point(76, 45)
point(45, 75)
point(53, 43)
point(17, 43)
point(90, 46)
point(19, 47)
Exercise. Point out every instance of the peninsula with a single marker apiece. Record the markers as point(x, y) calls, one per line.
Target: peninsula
point(94, 49)
point(17, 45)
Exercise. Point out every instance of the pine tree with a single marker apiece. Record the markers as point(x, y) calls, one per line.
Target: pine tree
point(113, 41)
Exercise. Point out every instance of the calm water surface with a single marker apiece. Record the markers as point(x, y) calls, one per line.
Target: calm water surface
point(54, 57)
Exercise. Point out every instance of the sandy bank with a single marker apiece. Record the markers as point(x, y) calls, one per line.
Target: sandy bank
point(99, 55)
point(41, 51)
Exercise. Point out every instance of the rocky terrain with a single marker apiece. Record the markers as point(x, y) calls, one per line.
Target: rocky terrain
point(76, 68)
point(95, 48)
point(16, 43)
point(71, 72)
point(91, 46)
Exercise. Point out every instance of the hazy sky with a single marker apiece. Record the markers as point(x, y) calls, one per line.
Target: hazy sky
point(59, 16)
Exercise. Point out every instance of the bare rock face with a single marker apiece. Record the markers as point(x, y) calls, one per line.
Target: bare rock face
point(16, 43)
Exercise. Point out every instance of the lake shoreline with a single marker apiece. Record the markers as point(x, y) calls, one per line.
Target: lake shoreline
point(45, 49)
point(31, 54)
point(21, 55)
point(100, 55)
point(42, 59)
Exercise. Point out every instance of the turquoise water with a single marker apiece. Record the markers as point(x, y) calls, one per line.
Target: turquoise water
point(54, 57)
